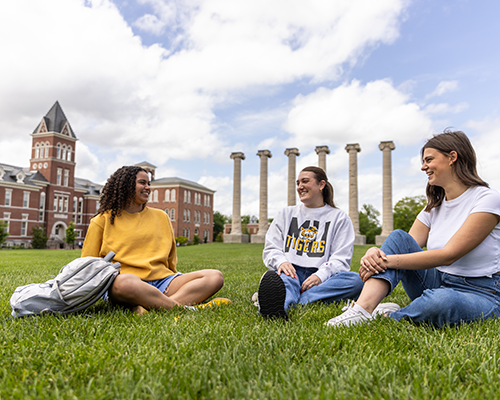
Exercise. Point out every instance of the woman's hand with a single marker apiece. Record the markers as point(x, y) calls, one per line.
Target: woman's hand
point(288, 269)
point(373, 262)
point(313, 280)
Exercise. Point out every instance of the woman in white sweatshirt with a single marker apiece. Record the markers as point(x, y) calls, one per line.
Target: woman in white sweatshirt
point(308, 251)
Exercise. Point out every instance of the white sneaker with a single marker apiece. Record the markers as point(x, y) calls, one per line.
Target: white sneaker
point(255, 299)
point(384, 308)
point(352, 316)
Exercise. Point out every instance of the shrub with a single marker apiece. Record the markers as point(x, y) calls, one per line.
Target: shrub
point(39, 240)
point(182, 240)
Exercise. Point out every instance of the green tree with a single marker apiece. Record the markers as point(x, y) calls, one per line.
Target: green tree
point(39, 240)
point(196, 239)
point(406, 211)
point(219, 221)
point(70, 234)
point(3, 232)
point(369, 224)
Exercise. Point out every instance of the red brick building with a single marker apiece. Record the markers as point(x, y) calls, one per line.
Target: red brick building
point(48, 194)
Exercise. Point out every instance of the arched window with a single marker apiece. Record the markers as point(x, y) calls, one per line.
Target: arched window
point(64, 152)
point(58, 154)
point(37, 151)
point(172, 214)
point(172, 195)
point(188, 215)
point(167, 195)
point(69, 153)
point(47, 145)
point(155, 196)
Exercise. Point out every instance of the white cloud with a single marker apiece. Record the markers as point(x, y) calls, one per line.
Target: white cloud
point(150, 23)
point(443, 108)
point(443, 87)
point(356, 113)
point(487, 150)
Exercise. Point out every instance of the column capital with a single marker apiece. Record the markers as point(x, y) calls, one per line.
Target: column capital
point(236, 155)
point(292, 150)
point(322, 149)
point(387, 145)
point(352, 147)
point(265, 153)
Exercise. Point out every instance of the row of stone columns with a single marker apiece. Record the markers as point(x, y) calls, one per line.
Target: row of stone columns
point(236, 235)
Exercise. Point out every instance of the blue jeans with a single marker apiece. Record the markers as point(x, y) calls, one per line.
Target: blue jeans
point(341, 286)
point(439, 298)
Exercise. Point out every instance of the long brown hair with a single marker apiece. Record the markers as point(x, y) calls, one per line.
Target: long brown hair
point(320, 175)
point(464, 167)
point(119, 191)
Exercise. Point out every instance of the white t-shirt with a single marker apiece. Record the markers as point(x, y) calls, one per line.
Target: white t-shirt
point(444, 221)
point(321, 237)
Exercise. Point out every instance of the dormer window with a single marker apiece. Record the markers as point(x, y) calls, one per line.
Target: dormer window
point(20, 176)
point(2, 173)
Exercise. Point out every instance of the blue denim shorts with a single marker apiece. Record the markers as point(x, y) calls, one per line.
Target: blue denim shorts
point(160, 284)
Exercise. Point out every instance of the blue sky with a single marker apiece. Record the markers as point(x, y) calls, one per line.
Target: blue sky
point(182, 84)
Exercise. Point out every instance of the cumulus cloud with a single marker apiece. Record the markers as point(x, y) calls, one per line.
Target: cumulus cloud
point(357, 113)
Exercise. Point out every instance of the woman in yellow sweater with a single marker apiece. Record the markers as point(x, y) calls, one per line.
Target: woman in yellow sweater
point(144, 243)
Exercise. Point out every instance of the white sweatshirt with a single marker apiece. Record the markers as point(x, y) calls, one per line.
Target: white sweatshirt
point(320, 238)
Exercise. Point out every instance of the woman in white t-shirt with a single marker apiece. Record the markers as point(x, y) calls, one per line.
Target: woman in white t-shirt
point(308, 251)
point(457, 279)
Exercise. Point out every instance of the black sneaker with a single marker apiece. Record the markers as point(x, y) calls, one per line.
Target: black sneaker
point(272, 295)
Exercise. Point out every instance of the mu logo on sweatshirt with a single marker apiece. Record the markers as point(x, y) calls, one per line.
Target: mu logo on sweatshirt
point(304, 238)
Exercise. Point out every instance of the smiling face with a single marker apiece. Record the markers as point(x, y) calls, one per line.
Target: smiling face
point(142, 191)
point(438, 167)
point(309, 190)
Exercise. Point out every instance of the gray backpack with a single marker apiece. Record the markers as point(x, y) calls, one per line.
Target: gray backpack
point(78, 285)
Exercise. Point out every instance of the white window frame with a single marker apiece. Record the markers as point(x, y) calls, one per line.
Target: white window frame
point(8, 197)
point(24, 225)
point(66, 177)
point(59, 176)
point(26, 199)
point(6, 218)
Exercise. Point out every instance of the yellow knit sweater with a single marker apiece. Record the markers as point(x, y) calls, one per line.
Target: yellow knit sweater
point(143, 242)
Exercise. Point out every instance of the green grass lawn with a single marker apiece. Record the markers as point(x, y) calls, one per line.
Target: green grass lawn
point(230, 352)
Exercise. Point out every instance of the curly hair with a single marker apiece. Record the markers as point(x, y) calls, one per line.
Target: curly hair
point(119, 191)
point(320, 175)
point(464, 167)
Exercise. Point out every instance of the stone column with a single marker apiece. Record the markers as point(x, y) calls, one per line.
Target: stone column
point(292, 154)
point(322, 151)
point(387, 217)
point(236, 236)
point(353, 150)
point(263, 223)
